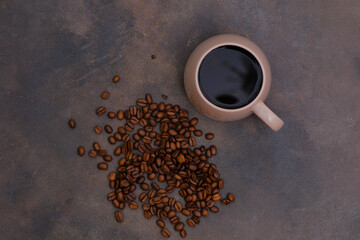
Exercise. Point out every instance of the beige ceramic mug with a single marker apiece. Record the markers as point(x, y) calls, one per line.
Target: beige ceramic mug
point(256, 106)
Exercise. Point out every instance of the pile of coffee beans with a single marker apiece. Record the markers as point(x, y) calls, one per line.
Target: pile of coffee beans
point(156, 150)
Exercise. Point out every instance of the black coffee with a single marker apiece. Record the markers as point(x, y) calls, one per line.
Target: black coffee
point(230, 77)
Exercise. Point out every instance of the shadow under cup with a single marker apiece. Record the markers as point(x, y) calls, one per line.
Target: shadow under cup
point(230, 77)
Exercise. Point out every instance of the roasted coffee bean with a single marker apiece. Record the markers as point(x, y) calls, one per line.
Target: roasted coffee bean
point(144, 186)
point(147, 214)
point(198, 133)
point(221, 184)
point(178, 206)
point(160, 223)
point(72, 123)
point(185, 212)
point(164, 96)
point(171, 214)
point(126, 138)
point(155, 186)
point(98, 129)
point(204, 212)
point(111, 115)
point(107, 158)
point(146, 207)
point(129, 126)
point(194, 121)
point(134, 120)
point(105, 95)
point(120, 115)
point(209, 136)
point(165, 233)
point(190, 222)
point(141, 102)
point(108, 129)
point(214, 209)
point(133, 205)
point(197, 213)
point(183, 233)
point(92, 153)
point(111, 140)
point(100, 111)
point(116, 79)
point(151, 193)
point(225, 201)
point(118, 216)
point(175, 220)
point(102, 153)
point(148, 98)
point(102, 166)
point(81, 151)
point(121, 206)
point(179, 226)
point(231, 197)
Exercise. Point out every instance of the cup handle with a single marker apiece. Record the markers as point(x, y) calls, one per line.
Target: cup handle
point(268, 116)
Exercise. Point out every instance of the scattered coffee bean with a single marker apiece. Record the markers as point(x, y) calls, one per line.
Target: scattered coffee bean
point(92, 153)
point(191, 222)
point(111, 115)
point(165, 233)
point(133, 205)
point(100, 111)
point(183, 233)
point(102, 166)
point(98, 130)
point(160, 223)
point(179, 226)
point(116, 78)
point(72, 123)
point(81, 151)
point(153, 56)
point(118, 216)
point(231, 197)
point(105, 95)
point(164, 96)
point(209, 136)
point(120, 115)
point(108, 129)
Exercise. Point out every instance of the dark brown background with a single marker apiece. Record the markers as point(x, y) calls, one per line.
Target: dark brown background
point(57, 56)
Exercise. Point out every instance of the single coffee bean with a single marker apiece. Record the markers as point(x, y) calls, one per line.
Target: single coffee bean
point(225, 201)
point(102, 166)
point(186, 212)
point(178, 206)
point(111, 115)
point(190, 222)
point(129, 126)
point(164, 96)
point(183, 233)
point(108, 129)
point(147, 214)
point(116, 79)
point(143, 197)
point(155, 186)
point(194, 121)
point(121, 206)
point(100, 111)
point(141, 102)
point(105, 95)
point(144, 186)
point(165, 233)
point(98, 129)
point(179, 226)
point(72, 123)
point(221, 184)
point(107, 158)
point(102, 153)
point(120, 115)
point(148, 98)
point(133, 205)
point(146, 207)
point(204, 212)
point(198, 133)
point(209, 136)
point(231, 197)
point(214, 209)
point(175, 220)
point(81, 151)
point(118, 216)
point(111, 140)
point(92, 153)
point(160, 223)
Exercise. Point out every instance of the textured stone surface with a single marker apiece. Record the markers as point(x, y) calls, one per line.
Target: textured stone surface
point(57, 56)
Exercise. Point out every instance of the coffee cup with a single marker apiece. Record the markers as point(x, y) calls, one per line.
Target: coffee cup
point(227, 78)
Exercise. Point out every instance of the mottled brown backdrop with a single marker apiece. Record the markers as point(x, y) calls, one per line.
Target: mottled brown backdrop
point(57, 56)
